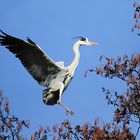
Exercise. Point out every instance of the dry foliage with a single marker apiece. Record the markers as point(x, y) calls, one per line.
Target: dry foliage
point(66, 131)
point(136, 25)
point(128, 103)
point(10, 126)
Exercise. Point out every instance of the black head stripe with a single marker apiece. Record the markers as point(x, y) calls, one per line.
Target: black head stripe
point(83, 39)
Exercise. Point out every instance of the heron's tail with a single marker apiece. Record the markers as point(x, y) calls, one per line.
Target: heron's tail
point(50, 97)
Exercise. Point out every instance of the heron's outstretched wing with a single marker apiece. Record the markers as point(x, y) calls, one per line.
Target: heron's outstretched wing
point(38, 64)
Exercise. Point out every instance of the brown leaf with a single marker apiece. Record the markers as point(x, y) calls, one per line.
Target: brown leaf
point(135, 15)
point(7, 109)
point(132, 30)
point(35, 136)
point(54, 128)
point(133, 79)
point(20, 124)
point(139, 26)
point(40, 131)
point(98, 70)
point(111, 61)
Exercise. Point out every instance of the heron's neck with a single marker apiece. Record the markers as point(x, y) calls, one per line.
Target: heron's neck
point(74, 64)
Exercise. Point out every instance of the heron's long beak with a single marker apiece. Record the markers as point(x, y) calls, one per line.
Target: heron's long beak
point(92, 43)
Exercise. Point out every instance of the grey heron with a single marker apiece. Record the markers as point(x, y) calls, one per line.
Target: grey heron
point(53, 75)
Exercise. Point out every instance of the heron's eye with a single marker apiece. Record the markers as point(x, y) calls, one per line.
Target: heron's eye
point(83, 39)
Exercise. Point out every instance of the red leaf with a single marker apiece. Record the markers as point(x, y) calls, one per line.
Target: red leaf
point(98, 70)
point(132, 29)
point(135, 15)
point(139, 15)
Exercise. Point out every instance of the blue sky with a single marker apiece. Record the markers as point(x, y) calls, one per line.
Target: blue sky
point(53, 24)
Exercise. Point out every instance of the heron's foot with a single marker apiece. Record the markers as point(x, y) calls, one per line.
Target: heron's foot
point(69, 111)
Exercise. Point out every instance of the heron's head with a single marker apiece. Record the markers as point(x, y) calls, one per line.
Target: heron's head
point(83, 41)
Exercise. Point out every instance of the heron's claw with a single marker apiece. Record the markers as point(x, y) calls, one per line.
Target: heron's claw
point(69, 111)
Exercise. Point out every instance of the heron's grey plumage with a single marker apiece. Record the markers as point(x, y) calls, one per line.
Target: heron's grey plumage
point(43, 69)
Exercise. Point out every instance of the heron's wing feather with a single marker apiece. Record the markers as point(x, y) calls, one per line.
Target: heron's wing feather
point(37, 63)
point(60, 64)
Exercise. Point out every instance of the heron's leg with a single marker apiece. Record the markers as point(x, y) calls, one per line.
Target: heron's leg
point(68, 111)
